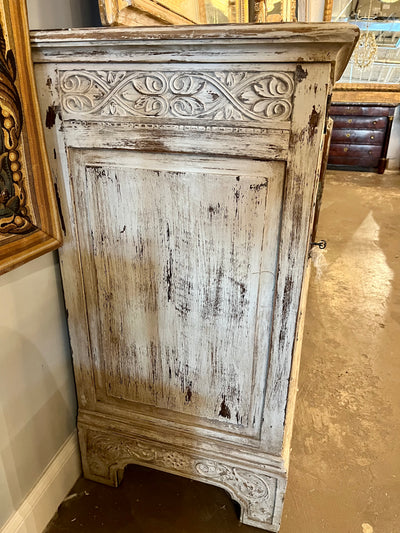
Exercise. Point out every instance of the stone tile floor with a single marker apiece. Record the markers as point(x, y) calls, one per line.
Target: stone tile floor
point(345, 464)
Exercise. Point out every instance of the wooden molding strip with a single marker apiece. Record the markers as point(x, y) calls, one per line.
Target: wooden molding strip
point(42, 502)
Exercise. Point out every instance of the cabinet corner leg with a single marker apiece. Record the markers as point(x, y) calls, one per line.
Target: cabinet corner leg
point(259, 495)
point(97, 465)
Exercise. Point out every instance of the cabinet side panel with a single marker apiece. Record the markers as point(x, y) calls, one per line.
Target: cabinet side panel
point(175, 261)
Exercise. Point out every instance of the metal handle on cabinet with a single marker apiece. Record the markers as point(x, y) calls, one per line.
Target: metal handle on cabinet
point(321, 244)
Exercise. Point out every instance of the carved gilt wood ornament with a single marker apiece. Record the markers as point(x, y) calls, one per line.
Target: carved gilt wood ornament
point(176, 12)
point(13, 211)
point(274, 10)
point(29, 223)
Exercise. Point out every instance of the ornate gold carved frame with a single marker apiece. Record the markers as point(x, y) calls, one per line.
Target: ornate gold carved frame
point(150, 12)
point(142, 13)
point(29, 224)
point(282, 10)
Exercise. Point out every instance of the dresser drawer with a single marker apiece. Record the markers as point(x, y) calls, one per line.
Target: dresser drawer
point(359, 123)
point(360, 135)
point(360, 110)
point(357, 162)
point(359, 151)
point(360, 156)
point(348, 136)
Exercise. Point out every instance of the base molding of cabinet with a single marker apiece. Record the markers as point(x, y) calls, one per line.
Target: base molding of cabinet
point(258, 490)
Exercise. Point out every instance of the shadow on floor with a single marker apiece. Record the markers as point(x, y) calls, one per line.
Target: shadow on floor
point(148, 501)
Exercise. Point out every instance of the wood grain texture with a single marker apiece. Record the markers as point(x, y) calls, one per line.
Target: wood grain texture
point(194, 269)
point(258, 142)
point(361, 135)
point(186, 245)
point(360, 123)
point(29, 223)
point(280, 43)
point(302, 173)
point(358, 136)
point(388, 93)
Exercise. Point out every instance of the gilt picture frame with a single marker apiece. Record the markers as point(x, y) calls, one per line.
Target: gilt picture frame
point(144, 13)
point(29, 219)
point(274, 11)
point(174, 12)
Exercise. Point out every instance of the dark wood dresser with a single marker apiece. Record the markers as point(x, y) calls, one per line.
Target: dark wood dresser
point(360, 136)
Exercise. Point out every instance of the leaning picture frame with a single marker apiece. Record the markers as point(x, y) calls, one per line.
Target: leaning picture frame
point(148, 13)
point(174, 12)
point(29, 219)
point(274, 10)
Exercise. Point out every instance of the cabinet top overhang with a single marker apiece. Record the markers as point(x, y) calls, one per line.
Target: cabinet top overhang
point(285, 42)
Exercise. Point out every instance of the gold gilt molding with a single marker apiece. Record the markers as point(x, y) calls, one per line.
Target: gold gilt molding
point(29, 221)
point(13, 210)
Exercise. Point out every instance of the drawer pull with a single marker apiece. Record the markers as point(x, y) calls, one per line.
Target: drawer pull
point(372, 137)
point(345, 149)
point(350, 121)
point(369, 152)
point(347, 134)
point(374, 122)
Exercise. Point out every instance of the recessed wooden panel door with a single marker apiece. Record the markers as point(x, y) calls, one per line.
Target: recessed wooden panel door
point(179, 267)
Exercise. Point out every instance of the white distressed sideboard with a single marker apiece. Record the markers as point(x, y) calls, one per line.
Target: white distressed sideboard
point(187, 161)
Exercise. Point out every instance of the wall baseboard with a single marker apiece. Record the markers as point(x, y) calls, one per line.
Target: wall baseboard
point(393, 163)
point(42, 502)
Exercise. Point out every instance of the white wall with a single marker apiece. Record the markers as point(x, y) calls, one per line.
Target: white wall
point(394, 144)
point(37, 393)
point(37, 398)
point(52, 14)
point(310, 10)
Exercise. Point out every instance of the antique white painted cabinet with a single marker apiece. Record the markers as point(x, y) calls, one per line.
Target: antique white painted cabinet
point(186, 160)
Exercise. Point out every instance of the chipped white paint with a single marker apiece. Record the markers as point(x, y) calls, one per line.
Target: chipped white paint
point(174, 332)
point(188, 162)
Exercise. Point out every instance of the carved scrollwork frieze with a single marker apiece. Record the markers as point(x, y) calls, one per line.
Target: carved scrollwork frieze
point(214, 95)
point(254, 491)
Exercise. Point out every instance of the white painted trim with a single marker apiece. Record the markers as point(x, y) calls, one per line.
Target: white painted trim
point(42, 502)
point(393, 163)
